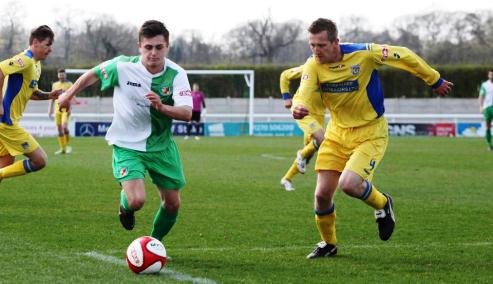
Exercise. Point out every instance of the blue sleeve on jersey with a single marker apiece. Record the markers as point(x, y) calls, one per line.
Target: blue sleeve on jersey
point(375, 93)
point(352, 47)
point(14, 84)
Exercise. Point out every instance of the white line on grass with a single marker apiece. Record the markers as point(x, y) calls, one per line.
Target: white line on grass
point(273, 157)
point(168, 272)
point(268, 249)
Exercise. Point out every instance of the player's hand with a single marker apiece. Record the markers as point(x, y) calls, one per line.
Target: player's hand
point(288, 103)
point(154, 99)
point(444, 88)
point(300, 111)
point(63, 101)
point(50, 115)
point(55, 94)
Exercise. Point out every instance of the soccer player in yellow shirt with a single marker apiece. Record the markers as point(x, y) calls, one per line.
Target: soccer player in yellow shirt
point(312, 125)
point(356, 136)
point(19, 77)
point(61, 116)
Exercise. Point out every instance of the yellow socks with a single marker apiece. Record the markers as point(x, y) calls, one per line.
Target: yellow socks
point(308, 150)
point(373, 197)
point(62, 142)
point(18, 168)
point(326, 224)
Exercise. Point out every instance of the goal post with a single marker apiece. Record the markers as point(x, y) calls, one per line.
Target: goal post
point(249, 76)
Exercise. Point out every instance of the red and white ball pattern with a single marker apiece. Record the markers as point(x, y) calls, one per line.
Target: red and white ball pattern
point(146, 255)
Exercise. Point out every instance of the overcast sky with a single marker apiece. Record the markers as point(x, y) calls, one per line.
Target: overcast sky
point(213, 18)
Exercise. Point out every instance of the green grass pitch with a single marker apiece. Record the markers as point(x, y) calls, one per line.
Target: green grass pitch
point(237, 225)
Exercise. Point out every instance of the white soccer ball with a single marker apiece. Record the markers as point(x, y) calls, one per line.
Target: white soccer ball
point(146, 255)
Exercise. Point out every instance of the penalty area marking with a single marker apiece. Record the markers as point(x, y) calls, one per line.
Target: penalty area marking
point(273, 157)
point(168, 272)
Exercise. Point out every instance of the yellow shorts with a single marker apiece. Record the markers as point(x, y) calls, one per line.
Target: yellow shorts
point(309, 125)
point(15, 140)
point(61, 117)
point(359, 150)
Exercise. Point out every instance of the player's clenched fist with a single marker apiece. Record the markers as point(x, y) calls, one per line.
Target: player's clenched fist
point(299, 112)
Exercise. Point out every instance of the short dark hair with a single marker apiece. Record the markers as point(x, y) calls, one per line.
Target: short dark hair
point(327, 25)
point(60, 70)
point(153, 28)
point(41, 33)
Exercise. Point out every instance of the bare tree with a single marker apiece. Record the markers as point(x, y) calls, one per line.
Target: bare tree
point(11, 28)
point(104, 38)
point(263, 39)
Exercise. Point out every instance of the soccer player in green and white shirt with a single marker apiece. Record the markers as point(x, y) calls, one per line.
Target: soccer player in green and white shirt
point(149, 92)
point(486, 106)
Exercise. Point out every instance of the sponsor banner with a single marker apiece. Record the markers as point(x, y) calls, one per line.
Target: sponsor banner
point(226, 128)
point(411, 129)
point(39, 128)
point(444, 129)
point(470, 129)
point(91, 128)
point(180, 129)
point(276, 129)
point(260, 129)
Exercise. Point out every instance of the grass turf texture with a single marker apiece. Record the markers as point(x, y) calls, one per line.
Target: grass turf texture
point(238, 225)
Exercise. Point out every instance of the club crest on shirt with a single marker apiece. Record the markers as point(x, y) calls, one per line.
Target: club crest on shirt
point(21, 63)
point(385, 53)
point(355, 69)
point(25, 145)
point(166, 91)
point(123, 172)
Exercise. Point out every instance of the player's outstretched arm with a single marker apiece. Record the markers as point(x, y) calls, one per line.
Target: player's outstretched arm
point(183, 113)
point(444, 88)
point(84, 81)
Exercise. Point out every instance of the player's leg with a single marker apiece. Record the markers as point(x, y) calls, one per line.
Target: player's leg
point(166, 172)
point(15, 141)
point(196, 123)
point(132, 198)
point(325, 213)
point(167, 213)
point(189, 129)
point(66, 134)
point(330, 162)
point(61, 134)
point(488, 115)
point(356, 178)
point(312, 126)
point(129, 171)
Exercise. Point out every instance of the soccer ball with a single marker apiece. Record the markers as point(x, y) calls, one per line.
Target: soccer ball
point(146, 255)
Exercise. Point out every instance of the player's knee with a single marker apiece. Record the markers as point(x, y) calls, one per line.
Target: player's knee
point(321, 199)
point(136, 203)
point(348, 186)
point(172, 206)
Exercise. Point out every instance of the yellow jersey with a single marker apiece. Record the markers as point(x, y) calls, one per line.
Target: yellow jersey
point(351, 89)
point(313, 103)
point(63, 86)
point(22, 74)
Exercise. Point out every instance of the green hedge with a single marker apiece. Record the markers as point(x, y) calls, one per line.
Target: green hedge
point(396, 83)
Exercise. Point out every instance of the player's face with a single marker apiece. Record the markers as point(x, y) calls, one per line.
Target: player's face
point(323, 50)
point(153, 51)
point(41, 49)
point(62, 76)
point(490, 76)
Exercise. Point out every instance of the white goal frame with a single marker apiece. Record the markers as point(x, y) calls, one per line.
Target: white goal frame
point(249, 76)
